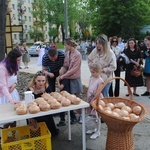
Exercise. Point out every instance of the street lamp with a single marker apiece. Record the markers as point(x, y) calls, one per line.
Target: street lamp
point(66, 18)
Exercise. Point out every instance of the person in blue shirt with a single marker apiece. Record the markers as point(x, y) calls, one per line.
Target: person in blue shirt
point(47, 48)
point(146, 71)
point(51, 64)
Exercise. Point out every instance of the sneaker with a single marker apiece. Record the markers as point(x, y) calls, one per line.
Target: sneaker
point(95, 135)
point(145, 94)
point(73, 121)
point(61, 123)
point(80, 119)
point(91, 131)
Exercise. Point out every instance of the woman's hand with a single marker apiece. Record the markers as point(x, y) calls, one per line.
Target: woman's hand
point(51, 75)
point(57, 79)
point(137, 64)
point(12, 88)
point(13, 102)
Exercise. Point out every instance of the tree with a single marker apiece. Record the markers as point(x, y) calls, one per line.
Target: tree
point(36, 34)
point(54, 15)
point(119, 17)
point(3, 8)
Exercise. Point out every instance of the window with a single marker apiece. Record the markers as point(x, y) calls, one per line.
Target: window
point(30, 27)
point(15, 36)
point(25, 18)
point(20, 36)
point(26, 28)
point(45, 28)
point(28, 1)
point(13, 17)
point(26, 36)
point(13, 6)
point(19, 17)
point(24, 9)
point(29, 18)
point(29, 9)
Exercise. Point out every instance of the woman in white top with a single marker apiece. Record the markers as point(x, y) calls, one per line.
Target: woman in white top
point(105, 57)
point(41, 52)
point(12, 82)
point(117, 51)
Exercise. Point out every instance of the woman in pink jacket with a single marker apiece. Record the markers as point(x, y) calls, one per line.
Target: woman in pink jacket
point(8, 67)
point(72, 63)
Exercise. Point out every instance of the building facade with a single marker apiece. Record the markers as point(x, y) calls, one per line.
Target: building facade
point(20, 12)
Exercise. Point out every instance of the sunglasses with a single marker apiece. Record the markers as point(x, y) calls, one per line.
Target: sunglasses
point(40, 73)
point(114, 41)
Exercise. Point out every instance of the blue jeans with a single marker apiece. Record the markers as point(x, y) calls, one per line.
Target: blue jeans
point(105, 91)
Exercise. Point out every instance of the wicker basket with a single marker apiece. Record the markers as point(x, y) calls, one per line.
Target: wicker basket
point(119, 136)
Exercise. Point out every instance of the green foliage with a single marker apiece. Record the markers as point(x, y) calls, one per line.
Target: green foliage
point(53, 12)
point(76, 35)
point(119, 17)
point(60, 46)
point(36, 34)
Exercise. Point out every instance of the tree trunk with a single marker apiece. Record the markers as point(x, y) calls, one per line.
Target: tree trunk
point(3, 8)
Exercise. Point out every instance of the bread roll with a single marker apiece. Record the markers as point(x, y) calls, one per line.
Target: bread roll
point(18, 105)
point(64, 93)
point(44, 106)
point(71, 96)
point(65, 102)
point(31, 103)
point(39, 100)
point(46, 96)
point(33, 109)
point(55, 105)
point(51, 100)
point(76, 101)
point(21, 110)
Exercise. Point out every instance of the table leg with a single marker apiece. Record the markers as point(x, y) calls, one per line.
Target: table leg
point(69, 127)
point(83, 130)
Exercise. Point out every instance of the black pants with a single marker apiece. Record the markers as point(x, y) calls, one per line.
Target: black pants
point(52, 81)
point(72, 115)
point(117, 83)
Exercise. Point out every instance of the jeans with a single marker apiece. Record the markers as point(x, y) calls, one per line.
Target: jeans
point(105, 91)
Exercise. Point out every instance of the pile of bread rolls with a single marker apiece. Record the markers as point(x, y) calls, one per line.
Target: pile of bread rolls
point(46, 102)
point(121, 110)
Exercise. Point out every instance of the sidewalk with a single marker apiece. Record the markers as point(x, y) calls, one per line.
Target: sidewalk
point(141, 130)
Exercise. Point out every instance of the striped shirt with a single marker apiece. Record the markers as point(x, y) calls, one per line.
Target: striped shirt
point(53, 66)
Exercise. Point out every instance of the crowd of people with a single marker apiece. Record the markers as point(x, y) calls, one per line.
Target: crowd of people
point(105, 60)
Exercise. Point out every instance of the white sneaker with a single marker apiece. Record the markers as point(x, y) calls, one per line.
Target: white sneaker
point(91, 131)
point(95, 135)
point(80, 119)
